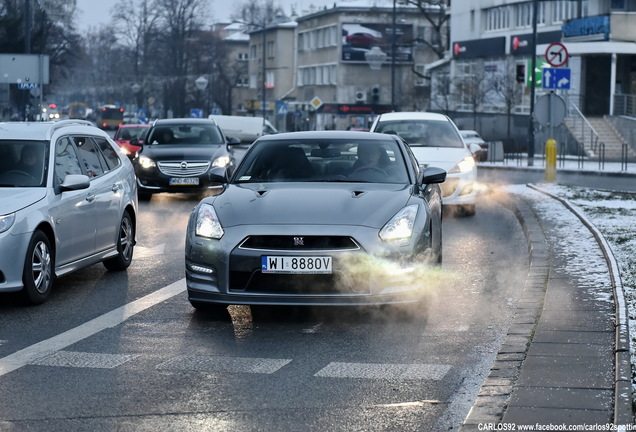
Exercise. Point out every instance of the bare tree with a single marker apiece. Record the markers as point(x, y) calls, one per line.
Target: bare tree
point(510, 92)
point(437, 13)
point(473, 89)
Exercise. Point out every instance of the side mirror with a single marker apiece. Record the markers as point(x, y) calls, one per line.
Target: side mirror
point(233, 141)
point(75, 182)
point(474, 148)
point(135, 141)
point(432, 175)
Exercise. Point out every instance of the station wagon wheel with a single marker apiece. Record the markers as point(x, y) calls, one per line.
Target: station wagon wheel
point(125, 245)
point(37, 275)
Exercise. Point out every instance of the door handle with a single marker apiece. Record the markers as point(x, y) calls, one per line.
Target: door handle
point(90, 197)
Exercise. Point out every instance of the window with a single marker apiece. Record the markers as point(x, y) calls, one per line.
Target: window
point(253, 80)
point(270, 49)
point(91, 159)
point(242, 56)
point(270, 79)
point(110, 156)
point(498, 18)
point(563, 10)
point(253, 52)
point(66, 160)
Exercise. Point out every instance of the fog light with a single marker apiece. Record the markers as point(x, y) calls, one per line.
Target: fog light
point(201, 269)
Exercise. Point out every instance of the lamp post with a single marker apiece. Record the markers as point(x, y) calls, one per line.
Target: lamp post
point(264, 72)
point(201, 83)
point(393, 57)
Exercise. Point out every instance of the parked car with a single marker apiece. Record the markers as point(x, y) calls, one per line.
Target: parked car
point(68, 199)
point(178, 154)
point(307, 220)
point(435, 141)
point(473, 137)
point(127, 132)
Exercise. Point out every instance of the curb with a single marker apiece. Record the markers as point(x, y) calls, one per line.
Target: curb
point(623, 413)
point(492, 399)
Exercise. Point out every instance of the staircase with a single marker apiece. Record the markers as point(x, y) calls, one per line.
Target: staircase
point(597, 136)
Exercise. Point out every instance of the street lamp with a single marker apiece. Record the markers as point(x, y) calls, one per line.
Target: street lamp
point(201, 83)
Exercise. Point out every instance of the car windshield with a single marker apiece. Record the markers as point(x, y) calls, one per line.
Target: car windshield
point(319, 160)
point(131, 132)
point(185, 134)
point(428, 133)
point(23, 163)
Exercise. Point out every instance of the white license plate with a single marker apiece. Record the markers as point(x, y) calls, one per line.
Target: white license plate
point(184, 181)
point(296, 264)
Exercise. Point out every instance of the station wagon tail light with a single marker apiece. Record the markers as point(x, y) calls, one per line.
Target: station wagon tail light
point(6, 222)
point(207, 223)
point(466, 165)
point(401, 225)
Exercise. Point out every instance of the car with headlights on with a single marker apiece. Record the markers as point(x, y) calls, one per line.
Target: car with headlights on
point(317, 218)
point(127, 132)
point(472, 136)
point(178, 154)
point(68, 199)
point(435, 141)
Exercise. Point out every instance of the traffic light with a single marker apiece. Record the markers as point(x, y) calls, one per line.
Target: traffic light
point(521, 73)
point(375, 94)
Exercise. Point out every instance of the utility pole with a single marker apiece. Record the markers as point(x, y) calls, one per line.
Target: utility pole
point(533, 66)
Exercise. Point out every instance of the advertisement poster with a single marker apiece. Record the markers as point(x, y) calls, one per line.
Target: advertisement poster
point(359, 38)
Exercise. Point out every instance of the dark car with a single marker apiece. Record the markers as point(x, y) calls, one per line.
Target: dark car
point(178, 154)
point(317, 218)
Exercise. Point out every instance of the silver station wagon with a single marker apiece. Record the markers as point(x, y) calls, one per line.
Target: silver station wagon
point(68, 199)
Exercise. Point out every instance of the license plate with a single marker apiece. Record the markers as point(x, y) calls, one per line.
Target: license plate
point(296, 264)
point(184, 181)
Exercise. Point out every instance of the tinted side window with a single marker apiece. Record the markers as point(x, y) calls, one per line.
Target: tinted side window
point(66, 160)
point(91, 159)
point(110, 154)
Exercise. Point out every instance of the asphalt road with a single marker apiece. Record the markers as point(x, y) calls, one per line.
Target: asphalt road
point(83, 362)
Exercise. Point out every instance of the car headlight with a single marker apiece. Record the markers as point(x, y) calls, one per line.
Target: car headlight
point(6, 222)
point(401, 225)
point(221, 162)
point(207, 223)
point(466, 165)
point(146, 162)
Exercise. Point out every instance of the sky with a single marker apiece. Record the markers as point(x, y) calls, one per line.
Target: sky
point(93, 13)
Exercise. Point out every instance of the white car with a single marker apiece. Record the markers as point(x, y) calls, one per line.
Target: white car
point(435, 141)
point(68, 199)
point(473, 137)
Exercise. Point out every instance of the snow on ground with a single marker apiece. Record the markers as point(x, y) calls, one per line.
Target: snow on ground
point(614, 215)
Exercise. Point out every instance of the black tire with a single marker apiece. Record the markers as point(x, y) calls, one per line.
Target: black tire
point(211, 310)
point(468, 210)
point(125, 245)
point(38, 274)
point(143, 196)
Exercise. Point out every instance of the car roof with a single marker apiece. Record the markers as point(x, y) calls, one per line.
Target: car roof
point(468, 131)
point(184, 120)
point(130, 125)
point(45, 130)
point(330, 134)
point(413, 115)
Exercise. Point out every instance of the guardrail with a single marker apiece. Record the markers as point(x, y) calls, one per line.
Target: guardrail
point(581, 128)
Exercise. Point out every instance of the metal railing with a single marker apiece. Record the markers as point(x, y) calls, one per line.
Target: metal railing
point(581, 128)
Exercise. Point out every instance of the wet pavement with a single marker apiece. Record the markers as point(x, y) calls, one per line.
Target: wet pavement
point(565, 363)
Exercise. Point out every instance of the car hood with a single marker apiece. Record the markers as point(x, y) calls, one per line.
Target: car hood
point(357, 204)
point(441, 157)
point(182, 152)
point(14, 199)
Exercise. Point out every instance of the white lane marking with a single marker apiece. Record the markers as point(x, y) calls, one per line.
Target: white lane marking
point(89, 328)
point(384, 371)
point(85, 359)
point(224, 364)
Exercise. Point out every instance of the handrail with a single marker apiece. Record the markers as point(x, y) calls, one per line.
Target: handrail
point(577, 116)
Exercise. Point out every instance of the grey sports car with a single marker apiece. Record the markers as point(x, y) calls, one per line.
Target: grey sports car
point(317, 218)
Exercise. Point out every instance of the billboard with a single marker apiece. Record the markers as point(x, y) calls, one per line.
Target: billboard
point(359, 38)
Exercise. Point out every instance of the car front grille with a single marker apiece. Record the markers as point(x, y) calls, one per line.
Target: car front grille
point(184, 168)
point(304, 243)
point(261, 283)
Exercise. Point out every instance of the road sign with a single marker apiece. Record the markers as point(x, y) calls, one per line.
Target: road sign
point(281, 107)
point(550, 110)
point(538, 71)
point(196, 113)
point(316, 102)
point(27, 85)
point(558, 79)
point(556, 54)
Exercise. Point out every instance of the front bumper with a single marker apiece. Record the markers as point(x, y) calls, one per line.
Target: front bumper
point(216, 273)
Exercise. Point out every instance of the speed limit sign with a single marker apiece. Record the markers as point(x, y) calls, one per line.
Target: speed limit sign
point(556, 54)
